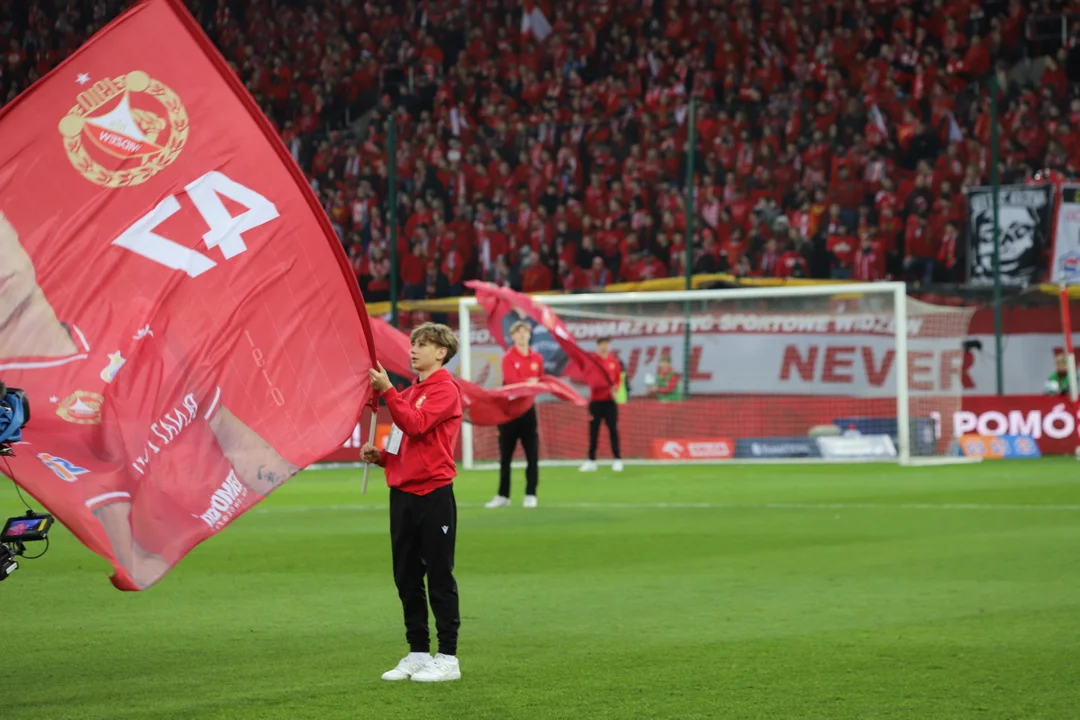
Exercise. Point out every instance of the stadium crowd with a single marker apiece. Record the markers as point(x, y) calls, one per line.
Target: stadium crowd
point(833, 139)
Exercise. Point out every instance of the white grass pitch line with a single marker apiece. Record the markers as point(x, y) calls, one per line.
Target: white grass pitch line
point(710, 506)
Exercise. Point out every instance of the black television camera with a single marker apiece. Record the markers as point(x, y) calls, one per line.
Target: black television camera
point(32, 527)
point(14, 414)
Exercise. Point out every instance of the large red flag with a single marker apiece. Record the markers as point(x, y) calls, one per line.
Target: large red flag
point(482, 406)
point(172, 297)
point(562, 355)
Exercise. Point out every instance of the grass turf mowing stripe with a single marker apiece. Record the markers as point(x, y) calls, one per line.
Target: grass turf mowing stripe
point(794, 593)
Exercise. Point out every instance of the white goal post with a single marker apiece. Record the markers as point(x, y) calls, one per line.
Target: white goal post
point(764, 359)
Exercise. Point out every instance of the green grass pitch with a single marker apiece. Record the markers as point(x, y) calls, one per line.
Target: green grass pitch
point(755, 592)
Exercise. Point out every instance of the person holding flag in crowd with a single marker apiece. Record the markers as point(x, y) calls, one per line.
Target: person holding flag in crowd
point(520, 364)
point(601, 372)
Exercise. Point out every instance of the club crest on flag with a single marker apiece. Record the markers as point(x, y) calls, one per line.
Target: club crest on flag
point(81, 408)
point(122, 131)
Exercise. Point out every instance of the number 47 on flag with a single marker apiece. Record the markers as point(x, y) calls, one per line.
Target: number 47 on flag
point(226, 232)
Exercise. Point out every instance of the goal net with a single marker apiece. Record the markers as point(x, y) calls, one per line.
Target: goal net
point(844, 372)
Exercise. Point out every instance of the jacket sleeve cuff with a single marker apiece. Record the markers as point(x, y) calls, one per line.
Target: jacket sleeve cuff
point(392, 398)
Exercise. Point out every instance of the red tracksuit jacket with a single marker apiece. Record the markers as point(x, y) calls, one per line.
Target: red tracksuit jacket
point(614, 371)
point(518, 368)
point(429, 417)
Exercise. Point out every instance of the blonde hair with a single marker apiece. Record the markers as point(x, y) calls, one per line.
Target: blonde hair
point(519, 325)
point(438, 335)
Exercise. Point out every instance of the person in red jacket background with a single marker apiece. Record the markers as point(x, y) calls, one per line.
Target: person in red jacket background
point(603, 409)
point(536, 277)
point(792, 264)
point(520, 364)
point(420, 471)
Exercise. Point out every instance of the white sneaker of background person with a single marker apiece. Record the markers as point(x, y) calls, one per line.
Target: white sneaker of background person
point(497, 502)
point(529, 502)
point(588, 466)
point(440, 669)
point(616, 466)
point(411, 664)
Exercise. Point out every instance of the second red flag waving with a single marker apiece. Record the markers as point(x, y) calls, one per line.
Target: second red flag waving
point(482, 406)
point(505, 306)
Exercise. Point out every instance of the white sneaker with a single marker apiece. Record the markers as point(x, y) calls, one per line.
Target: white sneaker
point(530, 501)
point(588, 466)
point(497, 502)
point(616, 466)
point(409, 666)
point(440, 669)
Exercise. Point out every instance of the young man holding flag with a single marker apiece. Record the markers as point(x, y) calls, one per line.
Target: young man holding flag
point(520, 364)
point(420, 471)
point(603, 408)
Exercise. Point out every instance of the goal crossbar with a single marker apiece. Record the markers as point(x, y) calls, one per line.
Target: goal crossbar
point(897, 291)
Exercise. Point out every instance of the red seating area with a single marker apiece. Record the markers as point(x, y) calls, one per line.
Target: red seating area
point(834, 138)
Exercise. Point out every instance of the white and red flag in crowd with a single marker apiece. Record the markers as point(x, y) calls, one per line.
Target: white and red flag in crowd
point(482, 406)
point(534, 22)
point(172, 297)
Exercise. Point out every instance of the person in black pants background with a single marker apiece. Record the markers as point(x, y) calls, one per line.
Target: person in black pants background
point(520, 364)
point(603, 408)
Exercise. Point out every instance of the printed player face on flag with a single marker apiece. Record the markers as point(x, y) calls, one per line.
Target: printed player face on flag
point(49, 358)
point(20, 298)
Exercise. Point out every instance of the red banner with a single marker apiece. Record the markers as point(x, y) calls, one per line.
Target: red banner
point(504, 306)
point(1052, 421)
point(172, 297)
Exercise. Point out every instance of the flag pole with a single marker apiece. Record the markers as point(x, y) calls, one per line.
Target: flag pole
point(371, 438)
point(1066, 328)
